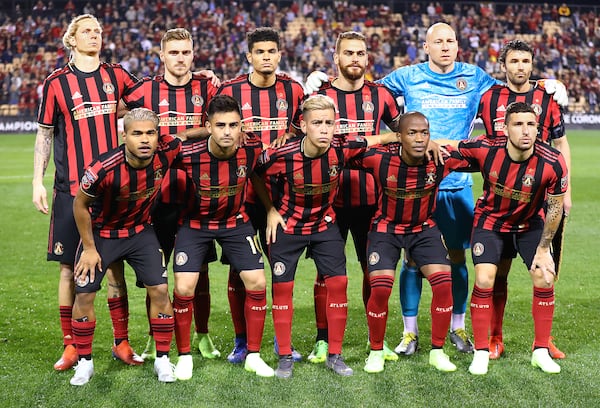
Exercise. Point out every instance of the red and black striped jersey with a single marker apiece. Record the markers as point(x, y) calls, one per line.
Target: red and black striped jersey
point(219, 186)
point(125, 195)
point(407, 194)
point(267, 112)
point(178, 108)
point(360, 113)
point(513, 192)
point(82, 109)
point(303, 188)
point(493, 104)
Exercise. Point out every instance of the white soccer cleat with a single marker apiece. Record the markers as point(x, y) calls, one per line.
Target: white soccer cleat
point(184, 367)
point(541, 358)
point(481, 360)
point(164, 369)
point(441, 361)
point(255, 364)
point(83, 372)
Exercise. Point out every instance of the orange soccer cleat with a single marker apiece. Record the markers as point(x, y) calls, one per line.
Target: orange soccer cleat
point(125, 353)
point(68, 359)
point(554, 351)
point(496, 347)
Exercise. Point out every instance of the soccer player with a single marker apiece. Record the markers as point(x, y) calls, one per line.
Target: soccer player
point(448, 93)
point(78, 113)
point(112, 213)
point(516, 60)
point(305, 174)
point(361, 107)
point(219, 170)
point(521, 174)
point(179, 98)
point(407, 184)
point(270, 109)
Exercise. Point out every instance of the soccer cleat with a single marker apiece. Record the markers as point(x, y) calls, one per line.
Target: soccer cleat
point(388, 353)
point(295, 355)
point(441, 361)
point(83, 372)
point(239, 352)
point(149, 352)
point(554, 351)
point(336, 363)
point(409, 344)
point(375, 362)
point(319, 352)
point(255, 364)
point(496, 347)
point(542, 360)
point(206, 346)
point(68, 359)
point(184, 368)
point(481, 360)
point(285, 367)
point(461, 341)
point(164, 369)
point(125, 353)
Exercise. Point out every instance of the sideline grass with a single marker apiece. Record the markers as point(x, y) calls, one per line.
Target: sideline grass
point(30, 332)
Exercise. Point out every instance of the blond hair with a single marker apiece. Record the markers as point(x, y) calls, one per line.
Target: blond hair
point(74, 25)
point(317, 102)
point(139, 115)
point(175, 34)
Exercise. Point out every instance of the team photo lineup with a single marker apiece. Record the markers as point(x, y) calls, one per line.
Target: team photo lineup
point(272, 165)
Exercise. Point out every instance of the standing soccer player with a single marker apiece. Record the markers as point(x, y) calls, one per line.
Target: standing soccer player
point(521, 174)
point(112, 212)
point(180, 99)
point(362, 106)
point(219, 170)
point(305, 174)
point(78, 113)
point(270, 108)
point(516, 60)
point(407, 184)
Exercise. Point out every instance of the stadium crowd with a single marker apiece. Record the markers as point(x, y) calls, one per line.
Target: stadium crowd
point(566, 40)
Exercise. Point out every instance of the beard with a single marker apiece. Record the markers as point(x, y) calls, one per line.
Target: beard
point(351, 73)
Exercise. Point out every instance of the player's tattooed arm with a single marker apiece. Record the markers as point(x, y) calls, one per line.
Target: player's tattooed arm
point(41, 159)
point(543, 259)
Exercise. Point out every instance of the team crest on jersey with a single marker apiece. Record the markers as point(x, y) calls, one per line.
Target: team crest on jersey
point(108, 88)
point(59, 249)
point(241, 171)
point(82, 281)
point(334, 171)
point(373, 258)
point(197, 100)
point(281, 105)
point(528, 180)
point(368, 106)
point(478, 249)
point(85, 182)
point(430, 177)
point(278, 268)
point(461, 84)
point(564, 183)
point(158, 174)
point(181, 258)
point(537, 109)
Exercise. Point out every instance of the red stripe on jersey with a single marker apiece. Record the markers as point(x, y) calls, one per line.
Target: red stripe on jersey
point(219, 185)
point(513, 192)
point(125, 195)
point(493, 104)
point(267, 112)
point(306, 187)
point(82, 108)
point(408, 193)
point(360, 113)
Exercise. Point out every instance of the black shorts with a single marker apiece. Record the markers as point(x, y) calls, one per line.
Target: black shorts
point(357, 220)
point(327, 249)
point(239, 245)
point(490, 246)
point(258, 217)
point(141, 251)
point(424, 248)
point(63, 238)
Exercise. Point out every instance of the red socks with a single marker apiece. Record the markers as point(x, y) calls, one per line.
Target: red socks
point(163, 334)
point(236, 294)
point(83, 337)
point(337, 311)
point(481, 314)
point(542, 310)
point(183, 311)
point(255, 311)
point(377, 309)
point(66, 314)
point(119, 314)
point(441, 306)
point(202, 303)
point(283, 311)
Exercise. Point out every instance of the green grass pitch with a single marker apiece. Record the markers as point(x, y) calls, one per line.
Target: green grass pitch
point(30, 338)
